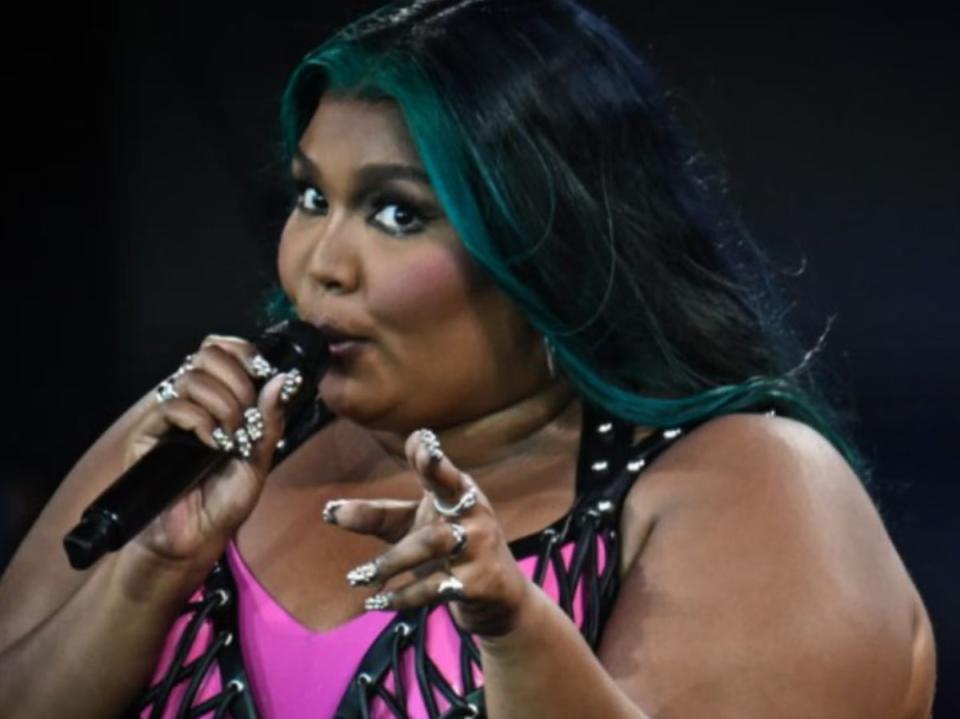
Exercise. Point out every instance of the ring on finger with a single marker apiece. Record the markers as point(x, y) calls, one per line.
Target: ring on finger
point(165, 392)
point(467, 501)
point(460, 535)
point(451, 589)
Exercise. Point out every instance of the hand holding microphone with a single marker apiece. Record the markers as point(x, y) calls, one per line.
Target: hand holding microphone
point(197, 459)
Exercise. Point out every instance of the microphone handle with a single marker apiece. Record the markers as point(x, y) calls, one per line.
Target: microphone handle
point(180, 460)
point(177, 462)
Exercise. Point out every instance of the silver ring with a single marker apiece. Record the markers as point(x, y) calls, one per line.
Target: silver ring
point(468, 500)
point(451, 589)
point(460, 534)
point(165, 392)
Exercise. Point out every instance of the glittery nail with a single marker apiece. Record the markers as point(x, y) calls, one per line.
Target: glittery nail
point(291, 385)
point(378, 602)
point(431, 444)
point(330, 510)
point(363, 575)
point(222, 438)
point(261, 368)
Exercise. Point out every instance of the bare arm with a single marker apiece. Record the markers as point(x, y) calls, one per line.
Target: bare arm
point(768, 587)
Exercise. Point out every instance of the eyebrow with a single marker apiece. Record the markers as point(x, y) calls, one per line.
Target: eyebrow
point(373, 174)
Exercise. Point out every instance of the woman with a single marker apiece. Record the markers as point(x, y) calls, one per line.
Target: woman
point(498, 229)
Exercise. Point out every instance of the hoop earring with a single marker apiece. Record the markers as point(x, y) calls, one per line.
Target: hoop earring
point(551, 362)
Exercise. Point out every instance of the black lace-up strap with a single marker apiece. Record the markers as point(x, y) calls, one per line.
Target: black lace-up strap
point(230, 659)
point(218, 606)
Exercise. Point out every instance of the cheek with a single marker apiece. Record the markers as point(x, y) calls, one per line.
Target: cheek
point(435, 287)
point(288, 260)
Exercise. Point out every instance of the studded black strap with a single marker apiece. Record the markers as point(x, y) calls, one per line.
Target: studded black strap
point(216, 606)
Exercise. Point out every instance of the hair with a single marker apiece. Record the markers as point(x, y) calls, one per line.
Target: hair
point(560, 163)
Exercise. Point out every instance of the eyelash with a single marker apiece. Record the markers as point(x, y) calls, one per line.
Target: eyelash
point(379, 201)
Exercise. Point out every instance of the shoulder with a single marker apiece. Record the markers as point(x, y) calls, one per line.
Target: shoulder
point(734, 462)
point(765, 564)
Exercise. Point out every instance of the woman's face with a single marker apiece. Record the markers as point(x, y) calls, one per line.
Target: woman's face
point(419, 335)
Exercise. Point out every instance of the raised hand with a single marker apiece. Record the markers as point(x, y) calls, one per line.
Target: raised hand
point(214, 396)
point(447, 547)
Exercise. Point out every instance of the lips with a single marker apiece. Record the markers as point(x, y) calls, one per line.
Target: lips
point(342, 341)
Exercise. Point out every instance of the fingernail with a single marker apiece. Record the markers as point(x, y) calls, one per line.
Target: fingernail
point(330, 510)
point(261, 369)
point(363, 575)
point(253, 421)
point(243, 444)
point(222, 438)
point(431, 444)
point(378, 602)
point(292, 381)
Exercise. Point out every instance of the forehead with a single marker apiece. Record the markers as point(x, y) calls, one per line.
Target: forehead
point(362, 131)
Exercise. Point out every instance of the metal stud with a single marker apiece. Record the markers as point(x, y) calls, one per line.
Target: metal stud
point(636, 465)
point(605, 428)
point(600, 466)
point(238, 686)
point(403, 629)
point(671, 433)
point(604, 506)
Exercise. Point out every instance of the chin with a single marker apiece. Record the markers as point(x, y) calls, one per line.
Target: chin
point(355, 401)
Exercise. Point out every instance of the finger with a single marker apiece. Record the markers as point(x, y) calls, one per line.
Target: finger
point(272, 421)
point(389, 519)
point(439, 586)
point(436, 471)
point(437, 541)
point(228, 365)
point(185, 415)
point(214, 396)
point(245, 352)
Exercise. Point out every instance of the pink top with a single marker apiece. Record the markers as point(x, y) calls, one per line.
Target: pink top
point(296, 673)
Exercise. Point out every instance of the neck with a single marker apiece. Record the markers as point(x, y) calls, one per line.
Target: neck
point(542, 422)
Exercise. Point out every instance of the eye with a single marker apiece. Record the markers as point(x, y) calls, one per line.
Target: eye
point(398, 217)
point(310, 200)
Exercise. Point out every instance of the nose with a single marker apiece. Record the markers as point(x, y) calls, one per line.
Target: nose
point(333, 261)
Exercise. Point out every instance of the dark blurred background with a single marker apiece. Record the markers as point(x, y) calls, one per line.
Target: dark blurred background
point(143, 199)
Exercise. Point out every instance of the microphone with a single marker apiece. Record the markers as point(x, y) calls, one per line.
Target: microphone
point(180, 460)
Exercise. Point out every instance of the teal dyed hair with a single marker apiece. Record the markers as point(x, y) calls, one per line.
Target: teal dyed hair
point(558, 161)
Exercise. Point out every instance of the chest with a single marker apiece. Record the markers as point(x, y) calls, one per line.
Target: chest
point(302, 562)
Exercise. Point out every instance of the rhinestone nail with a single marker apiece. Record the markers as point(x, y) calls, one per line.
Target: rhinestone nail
point(363, 575)
point(222, 438)
point(378, 602)
point(330, 510)
point(291, 385)
point(261, 368)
